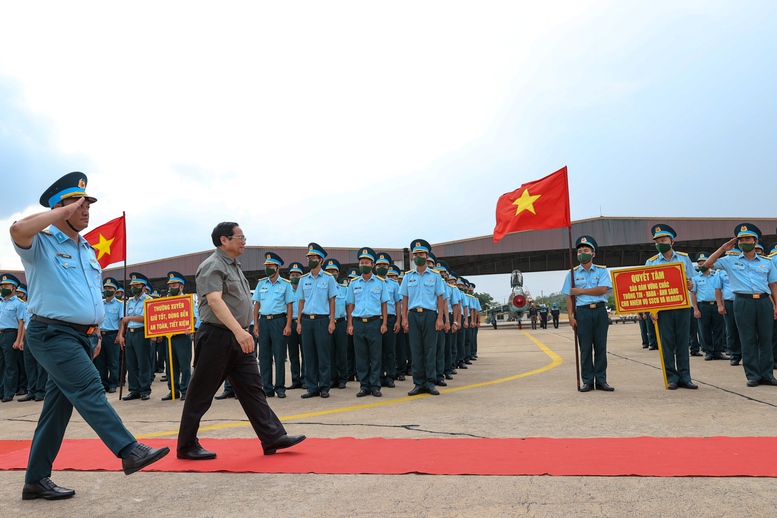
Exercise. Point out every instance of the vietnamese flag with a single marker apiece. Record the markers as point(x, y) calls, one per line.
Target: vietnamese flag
point(109, 241)
point(537, 205)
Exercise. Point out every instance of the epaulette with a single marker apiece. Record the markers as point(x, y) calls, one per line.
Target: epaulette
point(409, 271)
point(653, 258)
point(772, 255)
point(600, 266)
point(327, 273)
point(46, 231)
point(732, 252)
point(287, 280)
point(681, 253)
point(304, 275)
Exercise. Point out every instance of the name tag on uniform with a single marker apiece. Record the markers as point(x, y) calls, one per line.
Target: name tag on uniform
point(64, 256)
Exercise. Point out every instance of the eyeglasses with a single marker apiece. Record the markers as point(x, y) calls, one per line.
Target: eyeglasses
point(239, 238)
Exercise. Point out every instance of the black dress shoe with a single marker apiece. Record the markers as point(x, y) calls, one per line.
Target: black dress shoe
point(28, 397)
point(38, 398)
point(390, 383)
point(453, 371)
point(145, 397)
point(324, 394)
point(309, 394)
point(752, 383)
point(586, 387)
point(197, 453)
point(45, 488)
point(362, 393)
point(377, 393)
point(401, 377)
point(7, 399)
point(720, 356)
point(686, 385)
point(433, 391)
point(653, 348)
point(770, 381)
point(281, 395)
point(416, 390)
point(111, 390)
point(440, 383)
point(287, 441)
point(707, 357)
point(672, 385)
point(295, 385)
point(605, 387)
point(448, 376)
point(463, 366)
point(169, 397)
point(22, 392)
point(269, 394)
point(163, 378)
point(131, 396)
point(226, 395)
point(341, 385)
point(467, 362)
point(734, 361)
point(141, 457)
point(696, 353)
point(183, 397)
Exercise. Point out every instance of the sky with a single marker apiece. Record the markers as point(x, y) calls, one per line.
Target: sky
point(372, 124)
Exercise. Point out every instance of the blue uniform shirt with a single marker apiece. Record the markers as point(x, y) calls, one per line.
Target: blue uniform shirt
point(722, 283)
point(394, 296)
point(421, 289)
point(295, 304)
point(704, 287)
point(454, 299)
point(316, 292)
point(746, 276)
point(11, 311)
point(366, 296)
point(595, 277)
point(27, 316)
point(68, 273)
point(114, 312)
point(273, 297)
point(675, 258)
point(342, 293)
point(464, 303)
point(135, 308)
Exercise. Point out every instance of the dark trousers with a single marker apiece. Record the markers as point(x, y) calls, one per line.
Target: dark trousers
point(22, 384)
point(160, 355)
point(673, 330)
point(36, 374)
point(107, 362)
point(9, 365)
point(475, 330)
point(368, 349)
point(272, 347)
point(439, 357)
point(733, 345)
point(182, 364)
point(423, 347)
point(592, 324)
point(555, 320)
point(293, 346)
point(218, 356)
point(389, 352)
point(139, 353)
point(351, 358)
point(402, 353)
point(710, 329)
point(461, 340)
point(339, 358)
point(755, 320)
point(693, 336)
point(317, 347)
point(449, 340)
point(73, 382)
point(648, 331)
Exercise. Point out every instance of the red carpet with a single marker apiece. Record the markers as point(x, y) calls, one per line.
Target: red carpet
point(640, 456)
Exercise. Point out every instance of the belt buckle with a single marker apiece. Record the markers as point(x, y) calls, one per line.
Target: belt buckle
point(268, 317)
point(91, 330)
point(419, 310)
point(365, 320)
point(312, 317)
point(756, 295)
point(592, 306)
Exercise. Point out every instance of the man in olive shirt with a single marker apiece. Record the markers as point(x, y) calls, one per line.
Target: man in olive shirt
point(223, 348)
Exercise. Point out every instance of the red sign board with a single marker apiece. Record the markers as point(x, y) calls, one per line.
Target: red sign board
point(650, 288)
point(169, 316)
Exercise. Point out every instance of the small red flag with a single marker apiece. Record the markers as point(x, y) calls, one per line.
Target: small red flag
point(109, 241)
point(537, 205)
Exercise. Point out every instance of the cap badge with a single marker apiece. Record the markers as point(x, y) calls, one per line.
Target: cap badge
point(81, 183)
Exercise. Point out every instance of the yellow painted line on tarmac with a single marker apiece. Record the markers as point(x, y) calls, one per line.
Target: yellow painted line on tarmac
point(556, 361)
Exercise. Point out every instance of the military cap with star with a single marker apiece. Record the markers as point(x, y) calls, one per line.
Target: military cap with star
point(72, 185)
point(383, 258)
point(110, 281)
point(393, 269)
point(772, 248)
point(461, 281)
point(332, 264)
point(367, 253)
point(702, 256)
point(22, 288)
point(431, 257)
point(747, 230)
point(441, 265)
point(120, 287)
point(353, 273)
point(760, 244)
point(419, 245)
point(586, 241)
point(9, 278)
point(138, 278)
point(272, 258)
point(316, 249)
point(295, 267)
point(175, 277)
point(662, 230)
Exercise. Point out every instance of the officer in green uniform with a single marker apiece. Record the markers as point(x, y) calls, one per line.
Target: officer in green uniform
point(59, 262)
point(181, 345)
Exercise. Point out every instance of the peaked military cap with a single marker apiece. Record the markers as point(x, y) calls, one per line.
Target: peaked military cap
point(72, 185)
point(760, 244)
point(23, 288)
point(110, 281)
point(420, 245)
point(441, 265)
point(295, 267)
point(383, 257)
point(138, 278)
point(315, 248)
point(702, 256)
point(155, 294)
point(9, 278)
point(586, 241)
point(747, 229)
point(332, 264)
point(175, 277)
point(367, 253)
point(120, 287)
point(773, 248)
point(272, 258)
point(430, 257)
point(393, 270)
point(471, 285)
point(662, 230)
point(353, 273)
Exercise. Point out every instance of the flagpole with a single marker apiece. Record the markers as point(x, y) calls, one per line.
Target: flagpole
point(121, 368)
point(573, 310)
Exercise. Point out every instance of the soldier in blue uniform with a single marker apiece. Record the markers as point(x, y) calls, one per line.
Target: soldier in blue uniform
point(423, 309)
point(339, 357)
point(36, 374)
point(107, 362)
point(317, 323)
point(476, 309)
point(389, 338)
point(543, 316)
point(753, 280)
point(452, 304)
point(273, 299)
point(293, 340)
point(673, 324)
point(12, 311)
point(705, 311)
point(587, 310)
point(454, 313)
point(59, 262)
point(725, 298)
point(181, 345)
point(400, 344)
point(554, 312)
point(352, 274)
point(139, 351)
point(461, 342)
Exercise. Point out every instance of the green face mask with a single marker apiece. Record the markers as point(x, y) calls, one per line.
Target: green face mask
point(663, 247)
point(136, 291)
point(294, 280)
point(365, 269)
point(312, 263)
point(584, 258)
point(5, 292)
point(382, 271)
point(747, 247)
point(703, 269)
point(119, 296)
point(419, 261)
point(108, 293)
point(175, 291)
point(270, 271)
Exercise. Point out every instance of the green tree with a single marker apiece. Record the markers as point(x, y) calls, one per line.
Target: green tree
point(486, 301)
point(558, 298)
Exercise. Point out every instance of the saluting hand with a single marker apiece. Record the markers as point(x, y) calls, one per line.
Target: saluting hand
point(730, 244)
point(69, 210)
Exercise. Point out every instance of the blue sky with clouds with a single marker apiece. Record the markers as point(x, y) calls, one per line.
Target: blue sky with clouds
point(356, 123)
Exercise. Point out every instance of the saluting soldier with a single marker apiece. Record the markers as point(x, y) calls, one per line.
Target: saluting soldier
point(389, 338)
point(181, 345)
point(139, 352)
point(317, 315)
point(705, 311)
point(753, 280)
point(587, 310)
point(12, 311)
point(422, 304)
point(107, 362)
point(293, 340)
point(339, 358)
point(673, 324)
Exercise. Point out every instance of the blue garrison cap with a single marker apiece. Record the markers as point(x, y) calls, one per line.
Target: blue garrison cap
point(139, 278)
point(747, 230)
point(383, 257)
point(586, 241)
point(367, 253)
point(110, 281)
point(331, 264)
point(419, 245)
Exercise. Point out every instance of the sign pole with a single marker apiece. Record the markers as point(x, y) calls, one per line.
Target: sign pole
point(660, 347)
point(171, 376)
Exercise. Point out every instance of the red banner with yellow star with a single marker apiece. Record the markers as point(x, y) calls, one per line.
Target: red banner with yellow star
point(109, 241)
point(537, 205)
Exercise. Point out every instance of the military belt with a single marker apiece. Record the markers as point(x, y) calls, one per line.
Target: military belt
point(752, 295)
point(136, 329)
point(8, 330)
point(270, 317)
point(592, 306)
point(313, 317)
point(367, 319)
point(81, 328)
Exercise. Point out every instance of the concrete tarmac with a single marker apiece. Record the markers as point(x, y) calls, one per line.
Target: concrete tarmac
point(523, 385)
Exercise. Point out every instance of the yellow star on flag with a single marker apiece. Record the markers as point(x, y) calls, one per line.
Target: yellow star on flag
point(104, 246)
point(525, 202)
